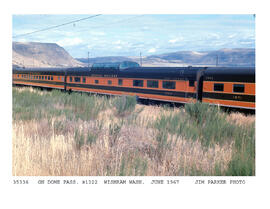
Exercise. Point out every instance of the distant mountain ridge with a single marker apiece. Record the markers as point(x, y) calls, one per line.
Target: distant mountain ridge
point(222, 57)
point(35, 54)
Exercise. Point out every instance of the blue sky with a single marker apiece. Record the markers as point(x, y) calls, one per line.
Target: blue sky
point(128, 35)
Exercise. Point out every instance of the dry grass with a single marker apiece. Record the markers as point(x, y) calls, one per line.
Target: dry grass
point(39, 150)
point(110, 145)
point(241, 119)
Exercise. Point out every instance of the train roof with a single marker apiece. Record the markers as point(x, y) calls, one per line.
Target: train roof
point(114, 65)
point(185, 70)
point(49, 69)
point(239, 74)
point(139, 72)
point(230, 70)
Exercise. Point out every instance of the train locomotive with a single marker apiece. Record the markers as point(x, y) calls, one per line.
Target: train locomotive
point(224, 86)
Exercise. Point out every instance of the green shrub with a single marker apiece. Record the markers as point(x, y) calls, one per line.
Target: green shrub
point(243, 159)
point(82, 139)
point(124, 105)
point(133, 165)
point(91, 138)
point(79, 139)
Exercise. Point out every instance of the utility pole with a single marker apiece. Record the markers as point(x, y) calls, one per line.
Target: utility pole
point(217, 61)
point(88, 59)
point(141, 58)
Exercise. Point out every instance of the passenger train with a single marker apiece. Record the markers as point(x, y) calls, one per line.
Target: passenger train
point(224, 86)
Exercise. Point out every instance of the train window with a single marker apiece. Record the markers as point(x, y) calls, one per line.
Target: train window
point(51, 77)
point(120, 82)
point(96, 81)
point(62, 78)
point(84, 80)
point(45, 77)
point(109, 82)
point(218, 87)
point(152, 84)
point(168, 84)
point(58, 77)
point(18, 76)
point(138, 83)
point(191, 83)
point(77, 79)
point(70, 79)
point(239, 88)
point(42, 77)
point(39, 77)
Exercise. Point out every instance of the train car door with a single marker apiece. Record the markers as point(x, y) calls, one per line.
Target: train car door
point(199, 79)
point(65, 81)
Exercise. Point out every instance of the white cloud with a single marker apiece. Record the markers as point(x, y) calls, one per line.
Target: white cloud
point(172, 41)
point(232, 35)
point(89, 46)
point(145, 28)
point(22, 40)
point(97, 33)
point(213, 36)
point(69, 41)
point(246, 42)
point(152, 50)
point(117, 42)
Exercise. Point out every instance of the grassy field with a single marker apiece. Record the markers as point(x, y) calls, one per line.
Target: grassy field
point(61, 134)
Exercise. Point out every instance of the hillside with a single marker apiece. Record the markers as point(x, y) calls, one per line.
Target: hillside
point(34, 54)
point(226, 57)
